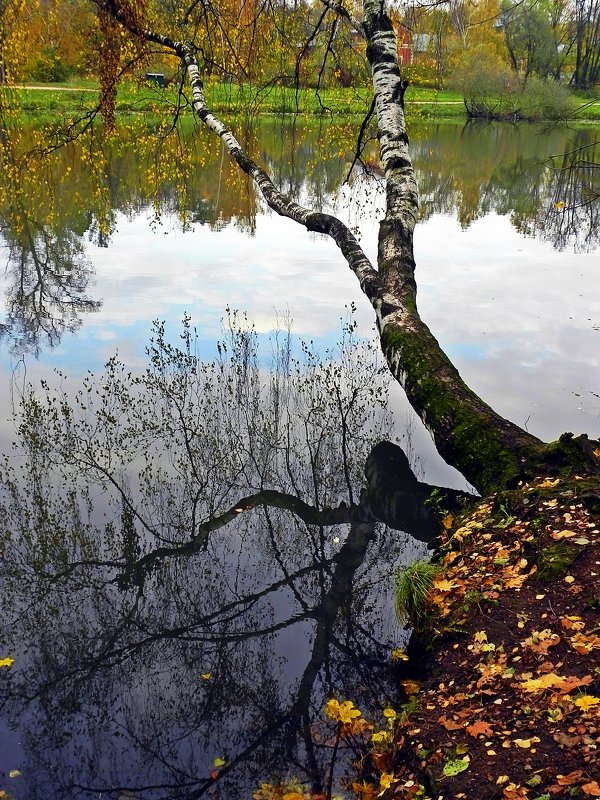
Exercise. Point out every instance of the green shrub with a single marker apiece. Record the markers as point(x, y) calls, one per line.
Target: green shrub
point(492, 90)
point(50, 68)
point(543, 99)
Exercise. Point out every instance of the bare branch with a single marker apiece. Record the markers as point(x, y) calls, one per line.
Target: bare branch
point(343, 12)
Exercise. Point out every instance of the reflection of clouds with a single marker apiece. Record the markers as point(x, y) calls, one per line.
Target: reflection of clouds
point(515, 314)
point(489, 280)
point(143, 276)
point(529, 310)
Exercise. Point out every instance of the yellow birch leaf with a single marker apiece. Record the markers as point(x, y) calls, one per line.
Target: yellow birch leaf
point(444, 585)
point(526, 743)
point(399, 655)
point(385, 781)
point(587, 701)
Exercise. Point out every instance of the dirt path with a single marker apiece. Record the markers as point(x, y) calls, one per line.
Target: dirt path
point(47, 88)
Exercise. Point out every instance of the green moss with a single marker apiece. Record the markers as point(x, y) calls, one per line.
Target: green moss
point(466, 430)
point(553, 561)
point(570, 453)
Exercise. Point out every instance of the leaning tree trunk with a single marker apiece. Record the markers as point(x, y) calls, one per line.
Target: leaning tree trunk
point(486, 448)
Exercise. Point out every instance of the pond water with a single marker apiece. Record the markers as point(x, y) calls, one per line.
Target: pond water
point(131, 683)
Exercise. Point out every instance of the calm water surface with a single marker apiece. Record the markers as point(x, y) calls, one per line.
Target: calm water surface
point(133, 689)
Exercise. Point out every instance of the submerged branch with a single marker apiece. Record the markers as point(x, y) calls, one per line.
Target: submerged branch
point(267, 497)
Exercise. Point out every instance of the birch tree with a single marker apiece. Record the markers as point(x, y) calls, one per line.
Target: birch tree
point(486, 448)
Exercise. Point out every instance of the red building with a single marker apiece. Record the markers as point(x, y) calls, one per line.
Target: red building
point(404, 38)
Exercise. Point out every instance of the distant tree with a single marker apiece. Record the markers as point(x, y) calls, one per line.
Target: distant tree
point(587, 43)
point(529, 38)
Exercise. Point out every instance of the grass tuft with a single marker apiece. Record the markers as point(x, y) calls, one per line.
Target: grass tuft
point(413, 585)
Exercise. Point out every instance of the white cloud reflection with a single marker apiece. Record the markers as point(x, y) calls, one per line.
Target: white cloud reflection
point(520, 319)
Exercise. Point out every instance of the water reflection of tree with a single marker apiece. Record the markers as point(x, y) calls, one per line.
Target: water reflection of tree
point(572, 218)
point(46, 268)
point(154, 606)
point(510, 175)
point(47, 279)
point(48, 272)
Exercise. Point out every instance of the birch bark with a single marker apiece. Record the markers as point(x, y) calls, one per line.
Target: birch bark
point(486, 448)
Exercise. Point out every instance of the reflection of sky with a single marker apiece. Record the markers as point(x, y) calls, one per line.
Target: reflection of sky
point(531, 312)
point(519, 318)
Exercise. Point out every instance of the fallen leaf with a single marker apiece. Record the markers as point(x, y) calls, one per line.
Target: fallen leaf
point(385, 781)
point(572, 623)
point(573, 682)
point(478, 728)
point(587, 701)
point(526, 743)
point(548, 483)
point(364, 790)
point(514, 792)
point(218, 762)
point(410, 687)
point(381, 736)
point(566, 741)
point(585, 644)
point(6, 662)
point(456, 766)
point(450, 724)
point(541, 641)
point(399, 655)
point(564, 534)
point(343, 712)
point(591, 789)
point(444, 586)
point(570, 779)
point(554, 681)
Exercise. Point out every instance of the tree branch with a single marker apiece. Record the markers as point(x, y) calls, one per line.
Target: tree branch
point(488, 449)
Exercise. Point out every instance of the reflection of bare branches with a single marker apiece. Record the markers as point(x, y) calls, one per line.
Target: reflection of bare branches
point(572, 215)
point(49, 276)
point(554, 197)
point(187, 657)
